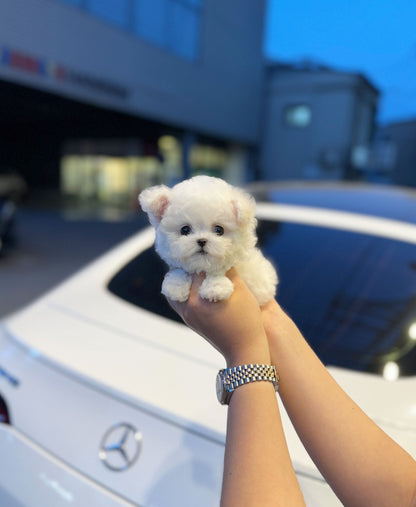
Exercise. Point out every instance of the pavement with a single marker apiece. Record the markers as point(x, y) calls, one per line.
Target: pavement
point(51, 243)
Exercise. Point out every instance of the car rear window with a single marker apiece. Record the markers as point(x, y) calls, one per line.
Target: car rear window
point(353, 296)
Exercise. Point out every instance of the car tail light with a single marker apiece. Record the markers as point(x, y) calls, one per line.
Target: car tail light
point(4, 413)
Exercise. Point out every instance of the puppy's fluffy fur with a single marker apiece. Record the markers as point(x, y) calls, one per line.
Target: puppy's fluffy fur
point(206, 225)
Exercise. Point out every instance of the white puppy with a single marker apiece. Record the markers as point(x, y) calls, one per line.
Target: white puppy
point(206, 225)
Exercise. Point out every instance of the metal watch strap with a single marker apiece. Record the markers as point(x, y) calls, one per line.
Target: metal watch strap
point(232, 378)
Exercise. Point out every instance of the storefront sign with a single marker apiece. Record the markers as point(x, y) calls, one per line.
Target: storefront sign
point(36, 66)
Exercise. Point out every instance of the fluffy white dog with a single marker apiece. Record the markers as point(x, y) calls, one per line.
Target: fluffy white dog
point(206, 225)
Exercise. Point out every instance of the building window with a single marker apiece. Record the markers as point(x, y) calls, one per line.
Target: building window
point(298, 115)
point(183, 29)
point(150, 20)
point(170, 24)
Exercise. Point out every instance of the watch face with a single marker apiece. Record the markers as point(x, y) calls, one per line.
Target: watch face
point(220, 388)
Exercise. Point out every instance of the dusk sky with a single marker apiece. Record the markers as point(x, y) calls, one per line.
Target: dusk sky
point(374, 37)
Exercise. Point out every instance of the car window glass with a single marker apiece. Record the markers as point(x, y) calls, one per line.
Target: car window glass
point(352, 295)
point(139, 283)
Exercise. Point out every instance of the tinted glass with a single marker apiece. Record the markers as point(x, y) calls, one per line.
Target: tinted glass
point(353, 296)
point(139, 282)
point(183, 30)
point(151, 20)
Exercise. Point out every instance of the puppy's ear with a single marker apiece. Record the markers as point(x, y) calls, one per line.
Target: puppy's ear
point(243, 206)
point(154, 201)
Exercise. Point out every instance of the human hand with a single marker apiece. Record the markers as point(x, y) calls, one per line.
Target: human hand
point(233, 326)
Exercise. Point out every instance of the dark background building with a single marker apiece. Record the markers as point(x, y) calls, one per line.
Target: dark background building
point(399, 141)
point(315, 121)
point(99, 99)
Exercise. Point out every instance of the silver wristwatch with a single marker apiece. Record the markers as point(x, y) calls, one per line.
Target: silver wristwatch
point(229, 379)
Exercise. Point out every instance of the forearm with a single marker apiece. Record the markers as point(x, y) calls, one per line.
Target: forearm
point(257, 466)
point(360, 462)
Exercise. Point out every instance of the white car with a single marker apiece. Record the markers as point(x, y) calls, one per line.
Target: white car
point(107, 399)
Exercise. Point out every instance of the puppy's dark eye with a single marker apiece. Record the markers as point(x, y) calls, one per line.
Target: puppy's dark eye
point(219, 231)
point(185, 230)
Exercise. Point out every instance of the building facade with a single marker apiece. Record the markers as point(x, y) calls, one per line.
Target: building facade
point(101, 98)
point(317, 122)
point(398, 141)
point(174, 85)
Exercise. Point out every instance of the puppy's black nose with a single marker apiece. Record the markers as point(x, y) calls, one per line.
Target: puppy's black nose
point(202, 242)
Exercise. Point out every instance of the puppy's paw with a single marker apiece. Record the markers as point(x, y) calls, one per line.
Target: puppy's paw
point(176, 285)
point(216, 288)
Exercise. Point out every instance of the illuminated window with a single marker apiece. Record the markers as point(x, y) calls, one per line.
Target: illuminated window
point(299, 115)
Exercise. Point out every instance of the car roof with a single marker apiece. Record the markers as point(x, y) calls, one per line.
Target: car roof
point(398, 203)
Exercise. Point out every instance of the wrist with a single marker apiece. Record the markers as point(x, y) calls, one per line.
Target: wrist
point(253, 354)
point(276, 322)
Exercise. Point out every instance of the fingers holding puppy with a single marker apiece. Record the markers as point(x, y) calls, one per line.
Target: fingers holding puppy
point(198, 308)
point(232, 326)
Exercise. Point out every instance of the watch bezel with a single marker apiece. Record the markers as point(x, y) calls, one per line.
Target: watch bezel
point(223, 394)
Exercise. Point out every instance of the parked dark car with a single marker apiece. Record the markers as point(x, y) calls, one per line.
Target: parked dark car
point(13, 189)
point(12, 185)
point(7, 218)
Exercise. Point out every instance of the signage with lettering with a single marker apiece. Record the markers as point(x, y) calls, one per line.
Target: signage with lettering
point(36, 66)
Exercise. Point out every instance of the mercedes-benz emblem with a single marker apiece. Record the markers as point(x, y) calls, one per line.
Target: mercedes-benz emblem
point(120, 447)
